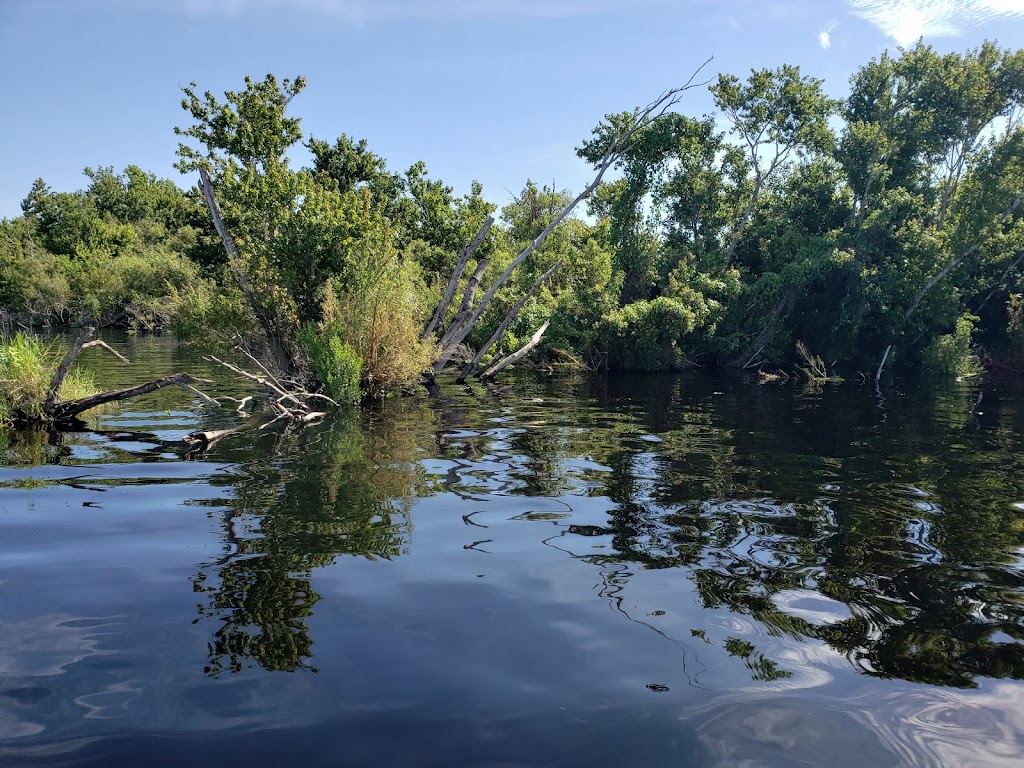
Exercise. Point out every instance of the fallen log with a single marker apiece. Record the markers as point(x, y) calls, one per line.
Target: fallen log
point(68, 410)
point(58, 412)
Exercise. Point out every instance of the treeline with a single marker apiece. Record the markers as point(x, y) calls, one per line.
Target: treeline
point(788, 229)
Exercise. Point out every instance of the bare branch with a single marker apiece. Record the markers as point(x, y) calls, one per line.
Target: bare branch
point(515, 357)
point(470, 367)
point(881, 365)
point(62, 370)
point(110, 349)
point(453, 283)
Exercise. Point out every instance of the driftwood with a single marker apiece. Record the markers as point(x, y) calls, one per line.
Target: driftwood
point(469, 316)
point(60, 411)
point(66, 411)
point(205, 439)
point(287, 403)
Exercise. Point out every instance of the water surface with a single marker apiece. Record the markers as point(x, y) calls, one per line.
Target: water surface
point(634, 571)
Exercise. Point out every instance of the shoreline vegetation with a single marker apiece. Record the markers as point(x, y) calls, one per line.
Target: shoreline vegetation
point(789, 234)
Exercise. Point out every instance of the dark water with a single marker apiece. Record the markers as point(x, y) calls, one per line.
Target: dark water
point(660, 571)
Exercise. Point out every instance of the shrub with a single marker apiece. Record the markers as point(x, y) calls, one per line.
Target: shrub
point(334, 363)
point(212, 315)
point(646, 335)
point(26, 369)
point(950, 354)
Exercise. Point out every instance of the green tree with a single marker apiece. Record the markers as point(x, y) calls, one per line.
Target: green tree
point(778, 115)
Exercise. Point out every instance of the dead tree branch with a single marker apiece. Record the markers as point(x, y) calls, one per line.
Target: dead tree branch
point(66, 411)
point(515, 357)
point(453, 283)
point(282, 348)
point(471, 366)
point(286, 403)
point(52, 394)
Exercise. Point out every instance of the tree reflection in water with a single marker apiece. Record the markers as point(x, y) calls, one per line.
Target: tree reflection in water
point(346, 489)
point(901, 513)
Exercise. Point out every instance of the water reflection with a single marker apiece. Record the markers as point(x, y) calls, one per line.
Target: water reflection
point(901, 531)
point(671, 569)
point(345, 489)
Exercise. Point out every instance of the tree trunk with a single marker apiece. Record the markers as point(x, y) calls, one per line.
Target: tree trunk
point(453, 283)
point(66, 411)
point(470, 367)
point(283, 349)
point(515, 357)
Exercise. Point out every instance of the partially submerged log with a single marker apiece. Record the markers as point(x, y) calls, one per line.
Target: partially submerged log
point(285, 401)
point(66, 412)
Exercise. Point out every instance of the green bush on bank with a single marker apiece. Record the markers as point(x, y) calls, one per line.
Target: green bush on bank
point(951, 354)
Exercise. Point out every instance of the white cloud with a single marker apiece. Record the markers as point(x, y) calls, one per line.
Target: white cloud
point(907, 20)
point(825, 35)
point(364, 10)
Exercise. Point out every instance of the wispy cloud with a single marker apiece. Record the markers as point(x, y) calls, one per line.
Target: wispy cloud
point(825, 35)
point(907, 20)
point(366, 10)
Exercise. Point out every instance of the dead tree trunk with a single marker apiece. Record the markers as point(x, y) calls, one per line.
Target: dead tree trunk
point(453, 283)
point(282, 344)
point(62, 411)
point(515, 357)
point(617, 147)
point(471, 366)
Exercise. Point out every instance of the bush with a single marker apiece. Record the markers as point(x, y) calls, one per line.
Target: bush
point(950, 354)
point(646, 335)
point(377, 309)
point(212, 315)
point(1015, 327)
point(334, 363)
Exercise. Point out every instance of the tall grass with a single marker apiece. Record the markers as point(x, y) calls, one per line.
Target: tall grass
point(27, 365)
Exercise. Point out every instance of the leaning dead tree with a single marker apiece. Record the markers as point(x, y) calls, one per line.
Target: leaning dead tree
point(452, 337)
point(469, 313)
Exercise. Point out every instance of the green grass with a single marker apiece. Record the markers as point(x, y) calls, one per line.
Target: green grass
point(27, 365)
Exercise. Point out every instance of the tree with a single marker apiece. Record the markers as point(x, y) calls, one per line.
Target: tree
point(778, 115)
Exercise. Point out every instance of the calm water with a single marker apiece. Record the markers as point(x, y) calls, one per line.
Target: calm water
point(659, 571)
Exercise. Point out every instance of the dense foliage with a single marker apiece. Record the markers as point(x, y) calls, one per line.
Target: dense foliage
point(885, 225)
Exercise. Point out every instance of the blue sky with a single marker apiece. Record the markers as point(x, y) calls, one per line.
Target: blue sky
point(495, 90)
